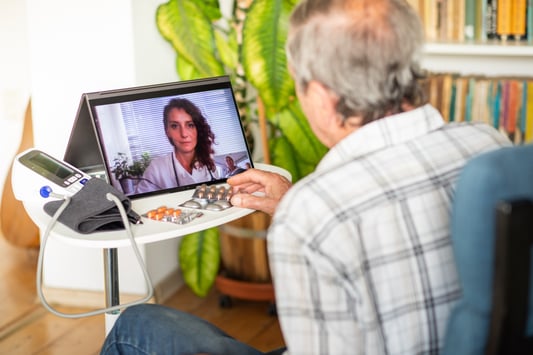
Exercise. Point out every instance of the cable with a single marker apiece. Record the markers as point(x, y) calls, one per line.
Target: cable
point(40, 260)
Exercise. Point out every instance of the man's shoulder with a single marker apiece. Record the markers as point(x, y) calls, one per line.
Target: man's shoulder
point(471, 125)
point(475, 130)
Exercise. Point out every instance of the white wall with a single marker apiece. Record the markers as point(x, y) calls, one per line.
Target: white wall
point(59, 49)
point(83, 46)
point(14, 79)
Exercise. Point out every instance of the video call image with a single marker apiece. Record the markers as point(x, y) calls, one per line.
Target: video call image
point(171, 143)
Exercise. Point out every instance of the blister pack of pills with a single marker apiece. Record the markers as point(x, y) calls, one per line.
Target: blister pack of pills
point(172, 215)
point(210, 198)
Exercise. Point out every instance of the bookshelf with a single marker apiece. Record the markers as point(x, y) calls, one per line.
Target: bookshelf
point(491, 82)
point(479, 54)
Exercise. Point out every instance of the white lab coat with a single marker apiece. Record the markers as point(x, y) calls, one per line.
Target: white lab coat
point(160, 174)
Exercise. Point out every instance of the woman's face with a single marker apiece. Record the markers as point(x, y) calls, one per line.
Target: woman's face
point(181, 130)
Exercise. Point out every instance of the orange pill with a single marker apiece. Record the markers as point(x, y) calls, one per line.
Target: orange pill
point(161, 209)
point(169, 211)
point(176, 213)
point(151, 213)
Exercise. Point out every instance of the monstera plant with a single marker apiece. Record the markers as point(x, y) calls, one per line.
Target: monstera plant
point(248, 44)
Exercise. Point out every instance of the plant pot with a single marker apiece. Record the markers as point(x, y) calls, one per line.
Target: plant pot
point(243, 248)
point(245, 271)
point(127, 185)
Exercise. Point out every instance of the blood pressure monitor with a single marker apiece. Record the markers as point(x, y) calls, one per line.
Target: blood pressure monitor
point(36, 174)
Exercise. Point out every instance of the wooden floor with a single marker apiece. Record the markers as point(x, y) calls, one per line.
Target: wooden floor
point(27, 328)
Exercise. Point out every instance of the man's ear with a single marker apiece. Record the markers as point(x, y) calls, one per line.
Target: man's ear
point(324, 100)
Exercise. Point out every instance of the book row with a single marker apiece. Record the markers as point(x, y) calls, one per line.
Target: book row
point(476, 20)
point(504, 103)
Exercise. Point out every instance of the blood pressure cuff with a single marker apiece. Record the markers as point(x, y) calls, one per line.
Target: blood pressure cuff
point(90, 211)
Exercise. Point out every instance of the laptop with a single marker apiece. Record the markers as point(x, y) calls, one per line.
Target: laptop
point(121, 136)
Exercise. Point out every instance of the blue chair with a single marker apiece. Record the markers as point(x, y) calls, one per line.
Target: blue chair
point(495, 186)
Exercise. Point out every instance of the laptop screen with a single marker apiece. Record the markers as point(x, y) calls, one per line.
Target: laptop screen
point(169, 137)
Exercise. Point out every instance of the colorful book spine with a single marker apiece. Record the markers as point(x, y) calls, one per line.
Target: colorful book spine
point(513, 103)
point(480, 33)
point(453, 96)
point(503, 18)
point(504, 108)
point(529, 22)
point(480, 111)
point(523, 112)
point(459, 20)
point(529, 113)
point(496, 104)
point(469, 100)
point(490, 101)
point(446, 96)
point(518, 19)
point(458, 116)
point(450, 20)
point(430, 18)
point(470, 20)
point(492, 8)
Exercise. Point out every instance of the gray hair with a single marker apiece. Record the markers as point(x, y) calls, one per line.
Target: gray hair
point(365, 51)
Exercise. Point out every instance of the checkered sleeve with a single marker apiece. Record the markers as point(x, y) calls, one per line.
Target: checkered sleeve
point(315, 306)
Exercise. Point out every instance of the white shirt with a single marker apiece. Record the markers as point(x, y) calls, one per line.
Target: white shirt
point(360, 249)
point(165, 172)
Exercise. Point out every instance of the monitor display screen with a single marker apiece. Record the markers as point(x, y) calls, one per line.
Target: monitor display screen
point(169, 137)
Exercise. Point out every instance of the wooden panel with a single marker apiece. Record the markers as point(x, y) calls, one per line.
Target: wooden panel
point(17, 227)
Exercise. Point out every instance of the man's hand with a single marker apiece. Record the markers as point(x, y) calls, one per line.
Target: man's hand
point(272, 185)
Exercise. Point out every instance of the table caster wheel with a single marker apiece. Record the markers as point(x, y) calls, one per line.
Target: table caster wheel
point(272, 310)
point(224, 301)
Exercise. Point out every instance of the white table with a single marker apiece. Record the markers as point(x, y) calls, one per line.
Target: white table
point(148, 232)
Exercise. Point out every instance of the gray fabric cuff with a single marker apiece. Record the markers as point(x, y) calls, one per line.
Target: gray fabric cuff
point(90, 211)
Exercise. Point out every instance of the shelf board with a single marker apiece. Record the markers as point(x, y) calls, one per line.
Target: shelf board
point(499, 49)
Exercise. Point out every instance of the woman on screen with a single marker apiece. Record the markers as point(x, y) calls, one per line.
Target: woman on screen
point(191, 161)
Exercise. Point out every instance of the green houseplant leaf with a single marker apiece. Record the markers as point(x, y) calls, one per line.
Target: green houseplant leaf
point(185, 69)
point(179, 21)
point(199, 257)
point(263, 51)
point(297, 149)
point(283, 155)
point(307, 149)
point(228, 47)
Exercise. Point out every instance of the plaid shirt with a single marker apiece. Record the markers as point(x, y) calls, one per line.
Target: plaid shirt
point(360, 250)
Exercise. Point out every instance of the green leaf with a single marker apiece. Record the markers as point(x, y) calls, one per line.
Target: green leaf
point(294, 126)
point(199, 257)
point(263, 51)
point(186, 71)
point(282, 154)
point(210, 8)
point(228, 48)
point(190, 31)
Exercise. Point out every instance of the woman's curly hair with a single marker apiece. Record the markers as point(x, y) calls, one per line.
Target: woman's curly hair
point(205, 136)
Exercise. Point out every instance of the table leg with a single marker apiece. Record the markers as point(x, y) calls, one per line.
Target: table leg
point(112, 293)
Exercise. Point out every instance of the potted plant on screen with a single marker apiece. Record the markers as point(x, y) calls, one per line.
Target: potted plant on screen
point(137, 168)
point(128, 174)
point(120, 170)
point(247, 43)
